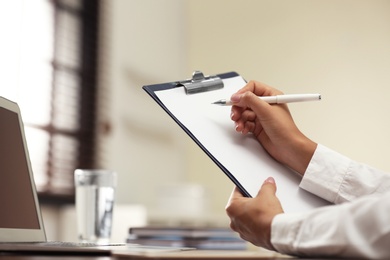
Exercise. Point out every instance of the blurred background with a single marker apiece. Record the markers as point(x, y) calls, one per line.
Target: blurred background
point(77, 67)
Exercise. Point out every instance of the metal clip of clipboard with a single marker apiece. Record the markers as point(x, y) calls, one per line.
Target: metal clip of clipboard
point(200, 83)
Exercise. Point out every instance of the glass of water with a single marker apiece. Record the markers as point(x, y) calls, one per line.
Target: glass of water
point(95, 190)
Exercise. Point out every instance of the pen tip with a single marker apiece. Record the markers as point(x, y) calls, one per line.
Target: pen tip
point(218, 102)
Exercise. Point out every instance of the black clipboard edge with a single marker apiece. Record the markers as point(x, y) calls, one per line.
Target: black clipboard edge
point(151, 89)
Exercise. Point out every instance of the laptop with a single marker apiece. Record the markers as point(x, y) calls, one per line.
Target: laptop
point(21, 223)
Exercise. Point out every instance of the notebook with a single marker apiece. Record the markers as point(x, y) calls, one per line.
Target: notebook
point(21, 223)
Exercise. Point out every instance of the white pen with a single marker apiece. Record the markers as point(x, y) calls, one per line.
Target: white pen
point(278, 99)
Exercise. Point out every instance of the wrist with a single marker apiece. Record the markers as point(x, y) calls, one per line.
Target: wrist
point(302, 153)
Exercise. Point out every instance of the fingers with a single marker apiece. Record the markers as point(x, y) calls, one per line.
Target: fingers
point(236, 193)
point(252, 101)
point(268, 186)
point(248, 97)
point(248, 111)
point(253, 115)
point(244, 121)
point(232, 207)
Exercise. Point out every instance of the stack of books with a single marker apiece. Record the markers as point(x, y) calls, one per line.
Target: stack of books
point(194, 237)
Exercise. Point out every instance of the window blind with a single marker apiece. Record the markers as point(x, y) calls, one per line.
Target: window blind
point(57, 90)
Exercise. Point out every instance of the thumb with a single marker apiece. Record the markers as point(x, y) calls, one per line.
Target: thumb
point(268, 187)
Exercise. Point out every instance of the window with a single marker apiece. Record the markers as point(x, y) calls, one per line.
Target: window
point(50, 69)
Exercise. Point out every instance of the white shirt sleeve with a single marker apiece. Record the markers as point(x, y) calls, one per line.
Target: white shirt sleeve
point(337, 178)
point(359, 228)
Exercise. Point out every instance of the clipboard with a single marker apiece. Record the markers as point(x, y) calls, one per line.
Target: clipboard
point(241, 158)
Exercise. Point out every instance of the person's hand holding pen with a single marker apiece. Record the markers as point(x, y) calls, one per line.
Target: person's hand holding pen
point(272, 125)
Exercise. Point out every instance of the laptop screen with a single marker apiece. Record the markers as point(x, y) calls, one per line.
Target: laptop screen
point(17, 204)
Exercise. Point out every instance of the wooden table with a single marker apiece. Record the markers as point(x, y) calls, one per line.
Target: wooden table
point(192, 254)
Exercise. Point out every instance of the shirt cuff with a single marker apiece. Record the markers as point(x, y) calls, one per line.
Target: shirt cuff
point(325, 173)
point(284, 232)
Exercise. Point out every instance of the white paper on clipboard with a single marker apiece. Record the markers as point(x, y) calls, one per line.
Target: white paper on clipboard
point(241, 157)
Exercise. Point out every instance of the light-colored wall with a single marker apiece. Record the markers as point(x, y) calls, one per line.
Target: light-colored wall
point(337, 48)
point(147, 45)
